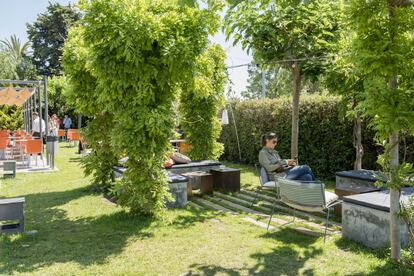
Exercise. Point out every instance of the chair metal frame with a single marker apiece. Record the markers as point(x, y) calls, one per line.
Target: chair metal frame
point(323, 205)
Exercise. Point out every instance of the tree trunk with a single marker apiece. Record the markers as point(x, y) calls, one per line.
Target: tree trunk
point(295, 110)
point(394, 201)
point(394, 158)
point(359, 149)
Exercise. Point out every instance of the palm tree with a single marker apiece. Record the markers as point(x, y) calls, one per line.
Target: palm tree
point(17, 50)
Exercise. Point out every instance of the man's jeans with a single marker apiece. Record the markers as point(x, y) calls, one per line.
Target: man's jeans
point(303, 173)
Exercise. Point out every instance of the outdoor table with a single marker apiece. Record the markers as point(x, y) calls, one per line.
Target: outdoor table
point(226, 180)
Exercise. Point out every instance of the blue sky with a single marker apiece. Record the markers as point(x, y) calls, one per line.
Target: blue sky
point(16, 13)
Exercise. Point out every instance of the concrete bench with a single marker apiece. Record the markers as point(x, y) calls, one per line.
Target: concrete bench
point(12, 209)
point(8, 168)
point(355, 179)
point(366, 218)
point(177, 185)
point(195, 166)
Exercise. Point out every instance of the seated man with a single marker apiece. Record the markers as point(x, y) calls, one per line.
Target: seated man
point(278, 167)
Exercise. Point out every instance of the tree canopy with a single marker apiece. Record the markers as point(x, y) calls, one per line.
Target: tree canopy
point(47, 36)
point(132, 57)
point(296, 34)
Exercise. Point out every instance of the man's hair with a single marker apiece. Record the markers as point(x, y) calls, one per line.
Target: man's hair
point(35, 114)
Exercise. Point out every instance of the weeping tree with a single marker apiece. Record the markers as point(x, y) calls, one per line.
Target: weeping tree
point(200, 101)
point(295, 34)
point(140, 54)
point(382, 51)
point(82, 93)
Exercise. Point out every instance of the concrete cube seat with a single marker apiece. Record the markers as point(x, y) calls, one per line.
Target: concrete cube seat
point(177, 185)
point(366, 218)
point(12, 209)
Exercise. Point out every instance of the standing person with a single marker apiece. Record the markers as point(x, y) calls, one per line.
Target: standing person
point(57, 120)
point(67, 123)
point(36, 125)
point(277, 167)
point(53, 127)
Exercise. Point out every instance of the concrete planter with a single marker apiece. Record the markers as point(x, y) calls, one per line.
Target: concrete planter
point(366, 218)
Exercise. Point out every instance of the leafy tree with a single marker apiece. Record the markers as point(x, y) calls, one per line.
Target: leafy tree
point(47, 35)
point(17, 50)
point(7, 65)
point(278, 82)
point(133, 56)
point(382, 51)
point(344, 79)
point(16, 59)
point(297, 32)
point(59, 104)
point(200, 102)
point(97, 133)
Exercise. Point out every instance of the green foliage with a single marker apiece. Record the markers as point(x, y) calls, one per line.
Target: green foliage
point(15, 60)
point(285, 30)
point(131, 57)
point(326, 139)
point(47, 35)
point(79, 89)
point(59, 104)
point(382, 51)
point(11, 117)
point(278, 82)
point(200, 103)
point(17, 50)
point(7, 65)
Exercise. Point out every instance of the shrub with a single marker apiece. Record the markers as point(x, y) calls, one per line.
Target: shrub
point(200, 102)
point(11, 117)
point(325, 138)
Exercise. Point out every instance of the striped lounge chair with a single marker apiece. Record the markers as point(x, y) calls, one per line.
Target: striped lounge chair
point(307, 196)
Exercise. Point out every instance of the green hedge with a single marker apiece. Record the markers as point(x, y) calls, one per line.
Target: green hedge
point(325, 138)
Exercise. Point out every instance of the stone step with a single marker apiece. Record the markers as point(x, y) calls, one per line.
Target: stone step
point(210, 205)
point(242, 202)
point(234, 206)
point(195, 205)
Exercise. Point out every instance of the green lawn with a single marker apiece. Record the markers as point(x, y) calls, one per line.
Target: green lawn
point(79, 233)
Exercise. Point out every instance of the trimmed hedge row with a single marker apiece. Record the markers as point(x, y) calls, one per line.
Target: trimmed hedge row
point(325, 138)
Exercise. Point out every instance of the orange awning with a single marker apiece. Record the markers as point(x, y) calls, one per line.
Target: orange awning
point(13, 96)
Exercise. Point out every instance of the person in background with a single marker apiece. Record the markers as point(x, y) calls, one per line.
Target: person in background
point(58, 122)
point(53, 127)
point(67, 123)
point(276, 166)
point(36, 125)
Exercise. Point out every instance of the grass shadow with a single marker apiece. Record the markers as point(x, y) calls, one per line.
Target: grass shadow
point(390, 267)
point(196, 216)
point(75, 159)
point(287, 257)
point(86, 241)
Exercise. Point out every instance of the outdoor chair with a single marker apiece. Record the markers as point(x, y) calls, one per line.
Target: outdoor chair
point(265, 182)
point(307, 196)
point(73, 135)
point(61, 134)
point(4, 143)
point(4, 133)
point(33, 147)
